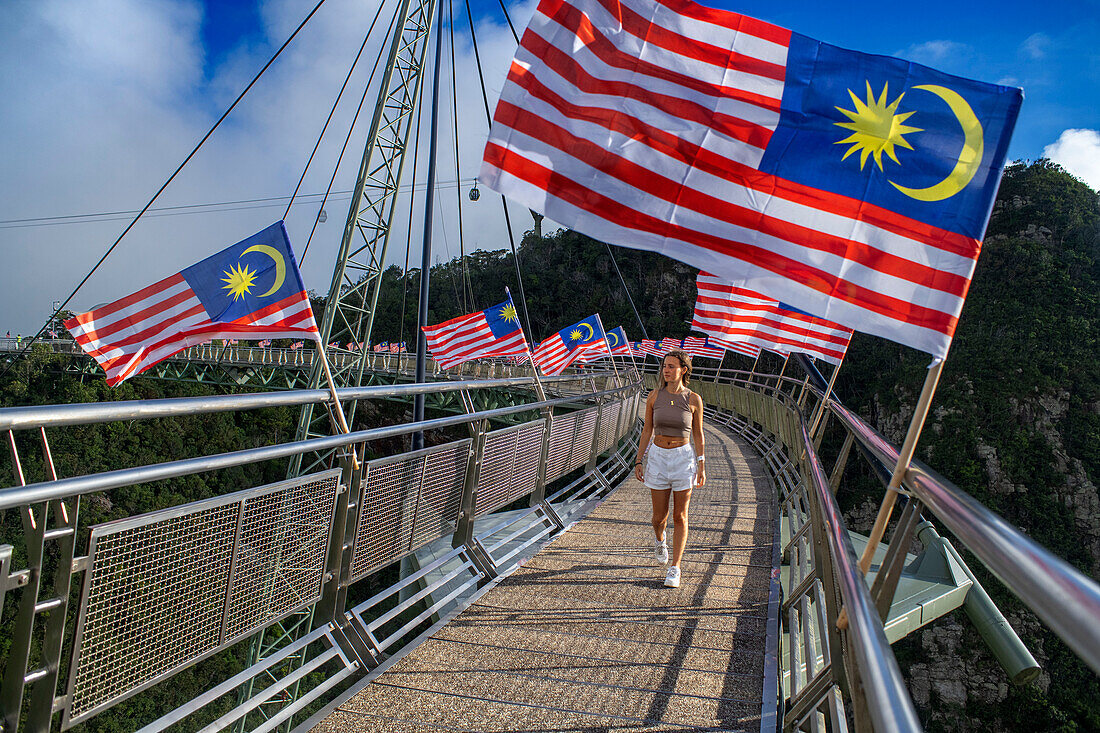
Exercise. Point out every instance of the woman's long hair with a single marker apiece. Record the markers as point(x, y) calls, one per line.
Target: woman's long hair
point(685, 362)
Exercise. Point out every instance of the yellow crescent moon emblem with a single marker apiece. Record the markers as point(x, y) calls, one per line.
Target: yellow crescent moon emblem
point(970, 158)
point(591, 331)
point(613, 338)
point(280, 264)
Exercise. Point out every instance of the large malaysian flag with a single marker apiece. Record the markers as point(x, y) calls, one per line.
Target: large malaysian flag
point(853, 186)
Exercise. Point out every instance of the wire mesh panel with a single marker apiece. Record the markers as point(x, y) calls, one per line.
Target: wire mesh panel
point(280, 556)
point(582, 443)
point(393, 488)
point(561, 446)
point(509, 467)
point(160, 587)
point(609, 420)
point(441, 492)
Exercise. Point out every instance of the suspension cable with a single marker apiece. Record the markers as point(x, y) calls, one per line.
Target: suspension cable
point(503, 201)
point(509, 19)
point(626, 290)
point(458, 176)
point(347, 138)
point(54, 315)
point(332, 111)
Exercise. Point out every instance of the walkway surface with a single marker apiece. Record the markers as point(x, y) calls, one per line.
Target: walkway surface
point(585, 637)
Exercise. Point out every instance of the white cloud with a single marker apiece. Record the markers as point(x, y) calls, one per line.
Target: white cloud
point(1078, 151)
point(936, 53)
point(1035, 46)
point(112, 94)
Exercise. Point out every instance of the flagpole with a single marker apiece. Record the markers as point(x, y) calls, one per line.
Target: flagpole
point(779, 382)
point(820, 411)
point(527, 346)
point(339, 409)
point(718, 369)
point(618, 379)
point(752, 372)
point(905, 456)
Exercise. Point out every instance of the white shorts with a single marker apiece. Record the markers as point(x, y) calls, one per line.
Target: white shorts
point(670, 468)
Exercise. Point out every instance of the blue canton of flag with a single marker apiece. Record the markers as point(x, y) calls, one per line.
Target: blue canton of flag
point(248, 277)
point(913, 140)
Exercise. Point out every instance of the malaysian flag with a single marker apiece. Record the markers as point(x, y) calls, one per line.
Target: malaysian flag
point(383, 346)
point(251, 289)
point(584, 337)
point(652, 347)
point(265, 343)
point(492, 332)
point(297, 344)
point(395, 348)
point(616, 338)
point(730, 144)
point(729, 313)
point(701, 347)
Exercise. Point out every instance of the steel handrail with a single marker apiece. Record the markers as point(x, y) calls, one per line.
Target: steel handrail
point(62, 488)
point(1066, 599)
point(891, 707)
point(48, 416)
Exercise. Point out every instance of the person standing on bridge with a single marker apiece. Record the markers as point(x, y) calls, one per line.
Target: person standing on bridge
point(674, 420)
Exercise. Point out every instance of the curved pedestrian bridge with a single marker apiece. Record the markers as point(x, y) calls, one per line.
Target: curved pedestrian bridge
point(585, 637)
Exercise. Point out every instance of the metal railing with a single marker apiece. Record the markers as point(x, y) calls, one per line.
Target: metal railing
point(163, 591)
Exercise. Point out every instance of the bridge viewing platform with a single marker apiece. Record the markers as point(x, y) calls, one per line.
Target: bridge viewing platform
point(584, 636)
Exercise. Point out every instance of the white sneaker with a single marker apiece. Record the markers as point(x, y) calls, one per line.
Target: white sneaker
point(660, 551)
point(672, 580)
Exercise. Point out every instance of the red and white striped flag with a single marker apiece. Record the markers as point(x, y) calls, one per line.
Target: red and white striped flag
point(702, 347)
point(584, 338)
point(648, 346)
point(492, 332)
point(252, 289)
point(728, 313)
point(720, 140)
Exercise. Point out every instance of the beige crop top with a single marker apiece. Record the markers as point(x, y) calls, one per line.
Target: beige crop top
point(672, 414)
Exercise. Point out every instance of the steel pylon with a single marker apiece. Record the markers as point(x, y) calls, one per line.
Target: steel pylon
point(357, 277)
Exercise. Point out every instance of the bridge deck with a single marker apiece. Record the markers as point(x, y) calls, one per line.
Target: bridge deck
point(584, 637)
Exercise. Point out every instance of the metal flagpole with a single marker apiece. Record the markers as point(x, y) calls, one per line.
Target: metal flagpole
point(718, 369)
point(752, 372)
point(618, 379)
point(338, 409)
point(782, 369)
point(905, 456)
point(526, 345)
point(820, 411)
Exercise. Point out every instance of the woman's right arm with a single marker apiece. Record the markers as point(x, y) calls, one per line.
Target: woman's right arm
point(647, 433)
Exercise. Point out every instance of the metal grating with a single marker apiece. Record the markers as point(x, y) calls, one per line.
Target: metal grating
point(280, 556)
point(561, 444)
point(509, 468)
point(609, 420)
point(392, 490)
point(441, 492)
point(155, 599)
point(582, 443)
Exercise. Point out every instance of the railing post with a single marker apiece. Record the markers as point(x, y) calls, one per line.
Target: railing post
point(539, 494)
point(594, 450)
point(338, 559)
point(464, 531)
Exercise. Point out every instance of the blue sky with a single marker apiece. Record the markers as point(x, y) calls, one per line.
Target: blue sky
point(106, 97)
point(1051, 50)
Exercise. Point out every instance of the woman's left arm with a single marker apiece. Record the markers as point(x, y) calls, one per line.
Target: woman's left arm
point(697, 434)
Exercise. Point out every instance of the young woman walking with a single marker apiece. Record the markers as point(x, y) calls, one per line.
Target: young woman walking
point(674, 420)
